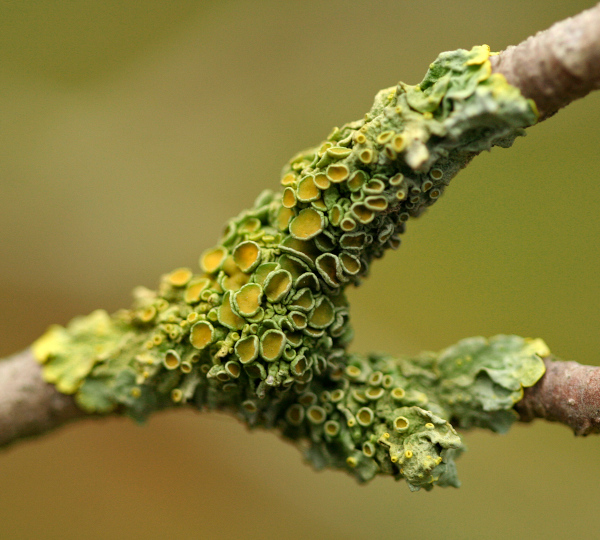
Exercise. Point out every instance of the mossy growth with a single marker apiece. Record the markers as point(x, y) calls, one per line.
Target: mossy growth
point(263, 331)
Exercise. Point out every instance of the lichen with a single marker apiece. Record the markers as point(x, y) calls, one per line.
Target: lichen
point(263, 331)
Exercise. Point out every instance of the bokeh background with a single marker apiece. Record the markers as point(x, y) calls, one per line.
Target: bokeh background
point(130, 131)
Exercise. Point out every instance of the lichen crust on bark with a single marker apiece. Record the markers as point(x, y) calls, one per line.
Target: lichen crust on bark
point(263, 331)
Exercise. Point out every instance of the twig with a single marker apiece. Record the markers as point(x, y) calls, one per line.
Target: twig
point(28, 405)
point(568, 393)
point(553, 68)
point(556, 66)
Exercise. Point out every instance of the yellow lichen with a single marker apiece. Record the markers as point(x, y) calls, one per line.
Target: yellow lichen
point(337, 173)
point(246, 349)
point(272, 344)
point(201, 334)
point(179, 277)
point(247, 256)
point(247, 299)
point(307, 189)
point(307, 224)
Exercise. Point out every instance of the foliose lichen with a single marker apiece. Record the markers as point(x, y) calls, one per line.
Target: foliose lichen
point(263, 331)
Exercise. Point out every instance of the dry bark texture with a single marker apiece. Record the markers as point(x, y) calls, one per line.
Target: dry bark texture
point(556, 66)
point(568, 393)
point(28, 405)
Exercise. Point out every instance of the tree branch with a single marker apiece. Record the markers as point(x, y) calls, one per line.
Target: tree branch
point(405, 152)
point(556, 66)
point(568, 393)
point(28, 405)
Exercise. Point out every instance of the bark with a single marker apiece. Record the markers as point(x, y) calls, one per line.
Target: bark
point(568, 393)
point(28, 405)
point(556, 66)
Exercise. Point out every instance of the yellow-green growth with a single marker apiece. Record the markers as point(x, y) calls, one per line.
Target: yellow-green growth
point(263, 329)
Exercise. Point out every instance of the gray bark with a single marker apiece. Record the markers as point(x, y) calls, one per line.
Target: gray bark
point(556, 66)
point(28, 405)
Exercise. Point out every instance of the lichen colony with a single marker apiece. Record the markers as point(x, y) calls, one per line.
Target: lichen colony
point(263, 330)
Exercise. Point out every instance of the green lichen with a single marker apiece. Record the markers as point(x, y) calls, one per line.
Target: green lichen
point(263, 332)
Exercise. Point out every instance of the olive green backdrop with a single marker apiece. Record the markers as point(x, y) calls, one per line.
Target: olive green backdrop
point(130, 131)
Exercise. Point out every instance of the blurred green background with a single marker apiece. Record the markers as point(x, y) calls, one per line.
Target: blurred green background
point(130, 131)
